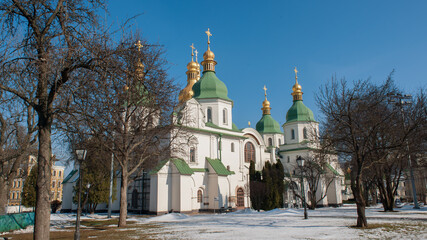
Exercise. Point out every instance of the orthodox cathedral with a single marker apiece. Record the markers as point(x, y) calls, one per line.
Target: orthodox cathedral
point(209, 164)
point(212, 169)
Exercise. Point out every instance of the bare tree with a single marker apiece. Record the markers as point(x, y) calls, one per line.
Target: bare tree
point(128, 108)
point(17, 140)
point(43, 44)
point(354, 119)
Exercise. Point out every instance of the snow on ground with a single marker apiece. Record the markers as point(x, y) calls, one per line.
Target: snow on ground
point(323, 223)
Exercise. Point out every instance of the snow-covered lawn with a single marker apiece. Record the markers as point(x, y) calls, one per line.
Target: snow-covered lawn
point(323, 223)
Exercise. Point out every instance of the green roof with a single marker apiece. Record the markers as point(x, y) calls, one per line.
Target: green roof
point(200, 169)
point(267, 124)
point(332, 169)
point(71, 174)
point(299, 112)
point(159, 166)
point(209, 86)
point(218, 167)
point(182, 166)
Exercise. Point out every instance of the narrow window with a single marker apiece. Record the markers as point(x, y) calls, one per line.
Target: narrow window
point(304, 131)
point(249, 152)
point(13, 195)
point(270, 142)
point(232, 147)
point(209, 114)
point(59, 174)
point(199, 196)
point(54, 173)
point(240, 197)
point(224, 116)
point(289, 159)
point(280, 141)
point(53, 184)
point(292, 134)
point(192, 154)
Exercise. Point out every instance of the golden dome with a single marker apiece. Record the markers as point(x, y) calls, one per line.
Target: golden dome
point(266, 104)
point(208, 55)
point(297, 93)
point(193, 66)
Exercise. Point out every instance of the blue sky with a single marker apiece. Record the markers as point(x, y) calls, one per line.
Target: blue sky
point(260, 42)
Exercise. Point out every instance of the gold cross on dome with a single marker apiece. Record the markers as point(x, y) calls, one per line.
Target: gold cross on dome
point(192, 49)
point(265, 91)
point(209, 34)
point(139, 45)
point(296, 72)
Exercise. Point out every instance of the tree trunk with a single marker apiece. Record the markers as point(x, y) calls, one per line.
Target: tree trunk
point(360, 202)
point(42, 215)
point(4, 193)
point(123, 200)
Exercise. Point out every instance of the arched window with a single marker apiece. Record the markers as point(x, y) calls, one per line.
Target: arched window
point(232, 147)
point(292, 134)
point(192, 154)
point(54, 173)
point(270, 142)
point(209, 114)
point(199, 196)
point(280, 141)
point(224, 116)
point(249, 152)
point(240, 197)
point(304, 132)
point(53, 184)
point(59, 173)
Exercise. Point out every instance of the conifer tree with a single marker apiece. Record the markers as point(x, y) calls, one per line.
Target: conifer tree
point(29, 189)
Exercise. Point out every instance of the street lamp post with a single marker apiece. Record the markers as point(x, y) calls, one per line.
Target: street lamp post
point(81, 155)
point(300, 162)
point(400, 100)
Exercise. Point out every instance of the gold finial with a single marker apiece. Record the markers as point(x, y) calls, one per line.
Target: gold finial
point(209, 35)
point(249, 123)
point(192, 51)
point(297, 93)
point(139, 45)
point(266, 104)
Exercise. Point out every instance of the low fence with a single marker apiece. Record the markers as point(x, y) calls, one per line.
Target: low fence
point(16, 221)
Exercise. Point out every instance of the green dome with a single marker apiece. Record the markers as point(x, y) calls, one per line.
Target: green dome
point(209, 86)
point(299, 112)
point(267, 124)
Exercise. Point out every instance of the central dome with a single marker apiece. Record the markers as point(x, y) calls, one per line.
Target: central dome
point(267, 124)
point(299, 112)
point(209, 86)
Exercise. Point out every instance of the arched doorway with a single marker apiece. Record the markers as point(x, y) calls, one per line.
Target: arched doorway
point(240, 198)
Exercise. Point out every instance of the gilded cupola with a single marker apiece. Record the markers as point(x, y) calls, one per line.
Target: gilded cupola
point(193, 74)
point(296, 89)
point(266, 104)
point(208, 62)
